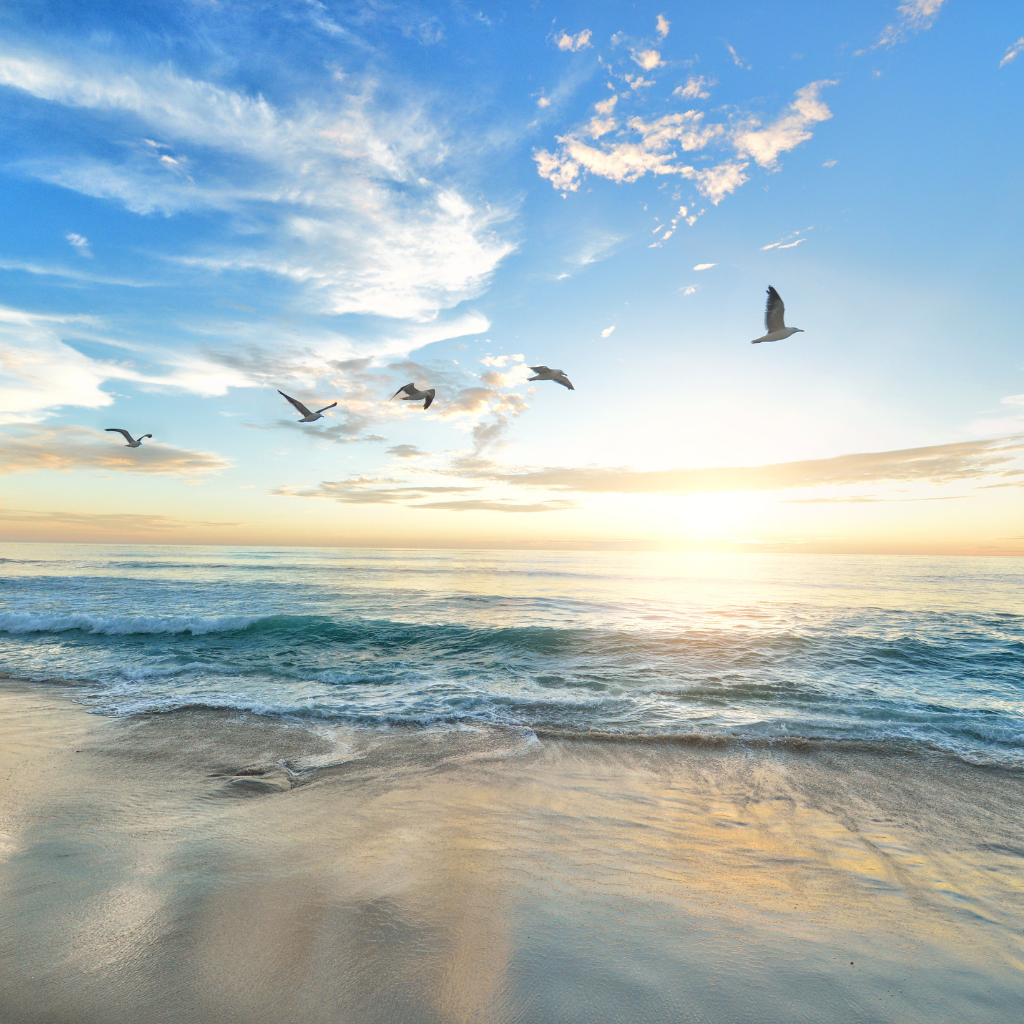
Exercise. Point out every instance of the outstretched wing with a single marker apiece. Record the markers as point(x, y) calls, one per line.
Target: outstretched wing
point(430, 398)
point(539, 369)
point(298, 405)
point(124, 433)
point(407, 388)
point(565, 382)
point(774, 312)
point(326, 407)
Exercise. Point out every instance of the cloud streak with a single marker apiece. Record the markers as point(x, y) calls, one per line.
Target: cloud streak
point(34, 448)
point(965, 461)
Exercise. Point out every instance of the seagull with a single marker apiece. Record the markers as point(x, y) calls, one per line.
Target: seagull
point(132, 442)
point(307, 415)
point(774, 320)
point(414, 395)
point(546, 373)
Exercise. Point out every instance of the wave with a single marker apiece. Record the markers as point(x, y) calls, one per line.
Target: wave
point(117, 625)
point(805, 738)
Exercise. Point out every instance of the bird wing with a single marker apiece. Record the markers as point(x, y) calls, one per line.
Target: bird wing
point(564, 381)
point(539, 369)
point(298, 405)
point(407, 388)
point(145, 435)
point(774, 312)
point(430, 398)
point(326, 407)
point(119, 430)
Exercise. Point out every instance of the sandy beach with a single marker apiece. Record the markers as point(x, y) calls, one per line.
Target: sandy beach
point(212, 866)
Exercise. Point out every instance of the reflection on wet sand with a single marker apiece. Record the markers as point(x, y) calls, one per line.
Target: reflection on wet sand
point(185, 867)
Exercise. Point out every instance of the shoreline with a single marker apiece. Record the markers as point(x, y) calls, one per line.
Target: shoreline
point(214, 865)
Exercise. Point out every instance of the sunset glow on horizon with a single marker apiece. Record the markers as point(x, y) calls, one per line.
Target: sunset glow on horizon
point(205, 205)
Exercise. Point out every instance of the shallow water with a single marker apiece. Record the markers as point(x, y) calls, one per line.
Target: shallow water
point(893, 653)
point(187, 867)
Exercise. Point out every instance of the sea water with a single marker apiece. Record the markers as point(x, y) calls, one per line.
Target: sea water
point(757, 649)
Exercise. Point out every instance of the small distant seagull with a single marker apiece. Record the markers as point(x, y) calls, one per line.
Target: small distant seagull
point(307, 415)
point(132, 442)
point(414, 395)
point(774, 320)
point(546, 373)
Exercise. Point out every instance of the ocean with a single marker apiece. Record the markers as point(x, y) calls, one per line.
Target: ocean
point(749, 649)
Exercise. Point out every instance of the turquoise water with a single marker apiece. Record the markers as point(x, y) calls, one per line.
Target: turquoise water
point(758, 649)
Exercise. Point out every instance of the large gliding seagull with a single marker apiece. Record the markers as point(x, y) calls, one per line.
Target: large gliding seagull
point(132, 442)
point(546, 373)
point(774, 320)
point(308, 416)
point(413, 394)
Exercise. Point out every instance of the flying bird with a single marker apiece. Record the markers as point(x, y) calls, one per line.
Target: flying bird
point(413, 395)
point(774, 320)
point(546, 373)
point(307, 415)
point(132, 442)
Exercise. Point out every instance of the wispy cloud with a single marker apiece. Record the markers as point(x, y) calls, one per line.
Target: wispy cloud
point(40, 372)
point(121, 524)
point(736, 58)
point(606, 333)
point(705, 266)
point(364, 490)
point(959, 462)
point(343, 195)
point(1011, 52)
point(662, 25)
point(80, 244)
point(474, 482)
point(913, 16)
point(33, 448)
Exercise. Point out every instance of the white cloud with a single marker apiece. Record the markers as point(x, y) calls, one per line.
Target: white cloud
point(627, 161)
point(663, 26)
point(830, 163)
point(337, 199)
point(647, 59)
point(40, 372)
point(80, 244)
point(914, 16)
point(705, 266)
point(696, 88)
point(1012, 51)
point(605, 107)
point(736, 58)
point(651, 147)
point(788, 130)
point(689, 290)
point(715, 183)
point(607, 331)
point(543, 101)
point(580, 41)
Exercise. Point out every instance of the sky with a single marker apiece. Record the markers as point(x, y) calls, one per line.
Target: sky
point(207, 201)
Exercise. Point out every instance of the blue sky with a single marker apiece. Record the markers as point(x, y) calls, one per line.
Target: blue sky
point(204, 202)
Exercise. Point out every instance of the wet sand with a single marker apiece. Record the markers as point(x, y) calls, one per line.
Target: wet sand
point(216, 867)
